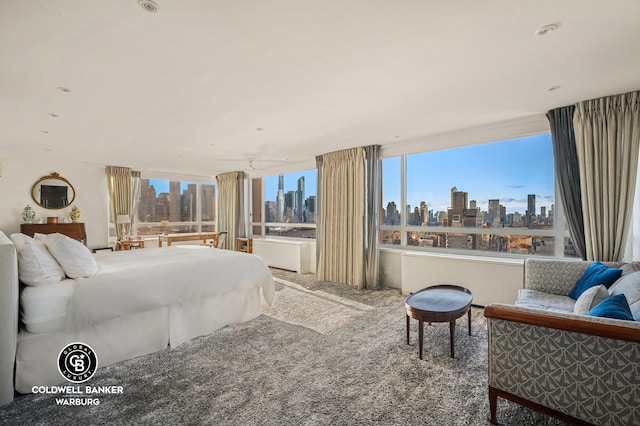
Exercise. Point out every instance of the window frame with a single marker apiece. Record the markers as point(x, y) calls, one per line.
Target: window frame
point(559, 232)
point(263, 225)
point(198, 222)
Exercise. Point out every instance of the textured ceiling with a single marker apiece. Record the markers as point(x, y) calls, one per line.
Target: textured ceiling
point(202, 86)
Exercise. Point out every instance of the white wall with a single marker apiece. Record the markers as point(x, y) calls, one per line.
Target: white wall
point(491, 280)
point(89, 182)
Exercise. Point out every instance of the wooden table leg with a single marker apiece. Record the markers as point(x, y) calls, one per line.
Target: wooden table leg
point(408, 324)
point(420, 334)
point(452, 334)
point(469, 313)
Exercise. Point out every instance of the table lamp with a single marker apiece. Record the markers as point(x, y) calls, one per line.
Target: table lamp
point(122, 220)
point(165, 224)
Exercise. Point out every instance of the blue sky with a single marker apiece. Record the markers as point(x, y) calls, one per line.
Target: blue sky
point(507, 170)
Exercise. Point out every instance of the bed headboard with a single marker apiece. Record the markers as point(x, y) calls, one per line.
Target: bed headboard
point(74, 230)
point(8, 316)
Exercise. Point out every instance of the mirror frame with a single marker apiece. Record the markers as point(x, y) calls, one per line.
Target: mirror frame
point(52, 176)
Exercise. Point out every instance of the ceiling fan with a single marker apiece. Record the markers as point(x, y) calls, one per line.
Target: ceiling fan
point(250, 168)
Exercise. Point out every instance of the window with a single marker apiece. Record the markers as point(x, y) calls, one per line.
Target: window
point(494, 197)
point(285, 205)
point(175, 207)
point(208, 207)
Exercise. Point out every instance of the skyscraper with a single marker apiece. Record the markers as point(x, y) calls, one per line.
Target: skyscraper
point(459, 199)
point(289, 204)
point(531, 207)
point(174, 201)
point(494, 212)
point(531, 204)
point(300, 200)
point(280, 200)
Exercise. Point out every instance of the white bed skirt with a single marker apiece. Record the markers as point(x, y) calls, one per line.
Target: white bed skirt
point(134, 335)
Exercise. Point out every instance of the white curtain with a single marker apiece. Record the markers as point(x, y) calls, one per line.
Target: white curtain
point(124, 188)
point(607, 132)
point(342, 208)
point(231, 206)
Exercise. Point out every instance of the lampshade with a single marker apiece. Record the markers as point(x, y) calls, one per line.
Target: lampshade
point(123, 218)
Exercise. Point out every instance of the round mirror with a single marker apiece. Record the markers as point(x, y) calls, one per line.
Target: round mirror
point(53, 192)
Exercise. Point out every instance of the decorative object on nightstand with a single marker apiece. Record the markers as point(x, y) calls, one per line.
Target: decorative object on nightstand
point(74, 214)
point(123, 220)
point(28, 214)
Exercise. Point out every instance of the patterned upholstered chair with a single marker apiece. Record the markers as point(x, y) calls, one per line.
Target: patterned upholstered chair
point(580, 369)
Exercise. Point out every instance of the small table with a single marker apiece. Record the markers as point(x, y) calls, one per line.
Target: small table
point(189, 236)
point(438, 303)
point(244, 245)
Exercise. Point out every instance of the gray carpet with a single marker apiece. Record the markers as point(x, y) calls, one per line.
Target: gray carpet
point(324, 354)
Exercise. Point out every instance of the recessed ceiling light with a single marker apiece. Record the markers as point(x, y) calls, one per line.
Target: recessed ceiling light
point(148, 5)
point(552, 88)
point(546, 29)
point(64, 89)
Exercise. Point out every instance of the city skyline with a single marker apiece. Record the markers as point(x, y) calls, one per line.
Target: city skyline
point(290, 206)
point(290, 183)
point(507, 170)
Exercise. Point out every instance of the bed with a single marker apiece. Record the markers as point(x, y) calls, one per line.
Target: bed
point(135, 303)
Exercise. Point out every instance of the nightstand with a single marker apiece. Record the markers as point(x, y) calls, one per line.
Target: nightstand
point(244, 245)
point(131, 243)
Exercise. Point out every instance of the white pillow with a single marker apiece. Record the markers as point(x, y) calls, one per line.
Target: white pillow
point(38, 236)
point(590, 298)
point(74, 257)
point(36, 266)
point(19, 240)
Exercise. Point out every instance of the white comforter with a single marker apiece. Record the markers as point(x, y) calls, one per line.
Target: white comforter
point(139, 280)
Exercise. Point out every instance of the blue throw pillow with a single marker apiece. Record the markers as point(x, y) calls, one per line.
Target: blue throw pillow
point(596, 274)
point(615, 307)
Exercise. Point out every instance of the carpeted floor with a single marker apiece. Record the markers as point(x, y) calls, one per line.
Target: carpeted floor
point(323, 354)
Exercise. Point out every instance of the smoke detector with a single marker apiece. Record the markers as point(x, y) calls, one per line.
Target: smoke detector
point(148, 5)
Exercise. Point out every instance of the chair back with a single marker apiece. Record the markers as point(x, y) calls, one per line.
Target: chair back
point(221, 239)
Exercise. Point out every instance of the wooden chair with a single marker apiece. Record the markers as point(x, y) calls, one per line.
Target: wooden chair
point(217, 241)
point(222, 236)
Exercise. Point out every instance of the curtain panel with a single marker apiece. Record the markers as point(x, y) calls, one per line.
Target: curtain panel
point(341, 228)
point(123, 185)
point(568, 172)
point(231, 206)
point(372, 236)
point(607, 132)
